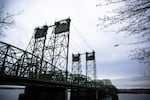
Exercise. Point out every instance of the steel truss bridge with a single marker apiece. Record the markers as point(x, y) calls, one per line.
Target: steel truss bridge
point(43, 64)
point(16, 68)
point(43, 67)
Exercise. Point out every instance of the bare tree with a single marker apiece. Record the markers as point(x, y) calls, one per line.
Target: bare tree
point(6, 19)
point(134, 18)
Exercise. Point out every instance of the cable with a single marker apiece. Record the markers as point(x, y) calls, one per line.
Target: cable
point(74, 49)
point(79, 33)
point(77, 45)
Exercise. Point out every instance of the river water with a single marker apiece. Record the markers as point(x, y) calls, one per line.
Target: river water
point(131, 97)
point(13, 94)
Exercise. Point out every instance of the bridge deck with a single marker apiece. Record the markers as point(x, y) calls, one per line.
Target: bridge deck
point(11, 80)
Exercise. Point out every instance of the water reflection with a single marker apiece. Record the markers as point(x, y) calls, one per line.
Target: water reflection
point(114, 97)
point(10, 94)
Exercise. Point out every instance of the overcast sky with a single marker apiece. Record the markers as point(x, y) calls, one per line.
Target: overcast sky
point(112, 62)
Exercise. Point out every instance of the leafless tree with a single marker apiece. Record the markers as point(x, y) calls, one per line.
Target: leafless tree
point(134, 18)
point(6, 19)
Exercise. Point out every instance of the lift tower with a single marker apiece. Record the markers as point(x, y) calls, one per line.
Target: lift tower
point(91, 65)
point(76, 67)
point(57, 49)
point(53, 49)
point(37, 47)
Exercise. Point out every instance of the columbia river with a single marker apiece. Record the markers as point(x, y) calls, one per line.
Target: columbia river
point(13, 94)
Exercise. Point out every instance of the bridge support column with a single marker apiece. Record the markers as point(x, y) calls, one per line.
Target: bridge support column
point(83, 94)
point(104, 93)
point(43, 93)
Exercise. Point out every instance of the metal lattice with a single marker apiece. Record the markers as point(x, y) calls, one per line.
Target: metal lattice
point(46, 58)
point(36, 47)
point(17, 62)
point(76, 68)
point(42, 60)
point(90, 65)
point(56, 52)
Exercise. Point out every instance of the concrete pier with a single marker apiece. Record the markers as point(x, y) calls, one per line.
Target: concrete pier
point(43, 93)
point(83, 94)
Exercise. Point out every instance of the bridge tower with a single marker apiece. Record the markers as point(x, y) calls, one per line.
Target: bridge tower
point(91, 65)
point(57, 49)
point(58, 44)
point(37, 43)
point(37, 48)
point(53, 49)
point(76, 67)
